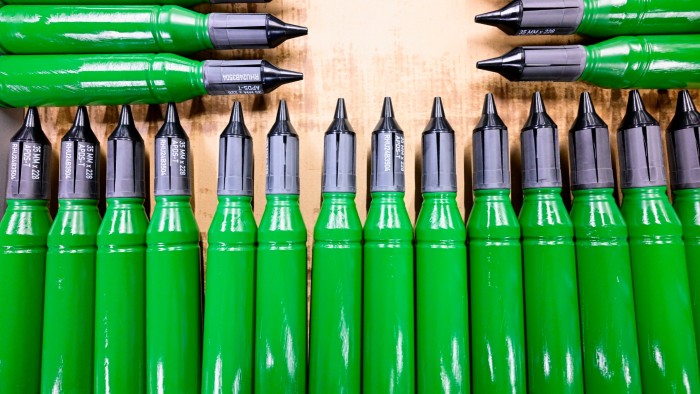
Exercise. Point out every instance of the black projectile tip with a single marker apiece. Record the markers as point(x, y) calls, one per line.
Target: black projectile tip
point(340, 122)
point(387, 121)
point(687, 115)
point(508, 18)
point(637, 115)
point(489, 116)
point(283, 125)
point(510, 65)
point(172, 126)
point(587, 117)
point(438, 122)
point(538, 118)
point(81, 129)
point(126, 128)
point(236, 125)
point(279, 31)
point(31, 130)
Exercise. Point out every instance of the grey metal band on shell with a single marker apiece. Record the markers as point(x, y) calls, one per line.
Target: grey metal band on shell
point(591, 159)
point(684, 157)
point(339, 163)
point(28, 171)
point(282, 164)
point(235, 166)
point(540, 158)
point(172, 167)
point(242, 31)
point(546, 17)
point(491, 159)
point(439, 162)
point(79, 170)
point(230, 77)
point(641, 157)
point(563, 63)
point(125, 169)
point(388, 166)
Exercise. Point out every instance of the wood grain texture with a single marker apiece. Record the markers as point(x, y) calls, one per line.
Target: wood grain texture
point(364, 50)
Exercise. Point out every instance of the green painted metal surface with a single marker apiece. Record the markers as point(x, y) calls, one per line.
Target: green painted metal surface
point(102, 29)
point(667, 348)
point(173, 298)
point(67, 353)
point(686, 202)
point(120, 303)
point(442, 307)
point(98, 79)
point(608, 324)
point(551, 294)
point(280, 306)
point(336, 297)
point(496, 294)
point(654, 62)
point(388, 313)
point(23, 232)
point(610, 18)
point(227, 364)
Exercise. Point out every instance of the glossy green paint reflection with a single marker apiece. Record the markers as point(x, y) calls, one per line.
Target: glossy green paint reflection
point(654, 62)
point(610, 18)
point(686, 202)
point(117, 29)
point(551, 294)
point(103, 79)
point(496, 293)
point(23, 232)
point(120, 327)
point(336, 297)
point(442, 307)
point(280, 309)
point(608, 324)
point(227, 365)
point(173, 298)
point(665, 332)
point(69, 296)
point(388, 326)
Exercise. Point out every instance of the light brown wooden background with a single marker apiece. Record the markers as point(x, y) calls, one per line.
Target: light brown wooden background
point(363, 50)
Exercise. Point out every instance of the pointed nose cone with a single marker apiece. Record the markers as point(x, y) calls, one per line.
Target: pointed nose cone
point(31, 118)
point(494, 64)
point(508, 18)
point(538, 114)
point(82, 119)
point(387, 121)
point(126, 129)
point(388, 108)
point(81, 130)
point(31, 130)
point(340, 111)
point(489, 105)
point(637, 115)
point(489, 116)
point(585, 104)
point(587, 117)
point(126, 117)
point(279, 31)
point(236, 125)
point(340, 123)
point(685, 103)
point(437, 122)
point(171, 115)
point(687, 115)
point(283, 124)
